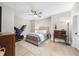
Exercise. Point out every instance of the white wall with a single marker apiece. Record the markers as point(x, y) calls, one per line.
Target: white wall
point(43, 23)
point(18, 22)
point(61, 21)
point(33, 26)
point(7, 19)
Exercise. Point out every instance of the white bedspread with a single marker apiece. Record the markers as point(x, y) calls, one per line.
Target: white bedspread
point(42, 37)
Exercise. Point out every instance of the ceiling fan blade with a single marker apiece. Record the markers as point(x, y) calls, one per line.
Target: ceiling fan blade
point(34, 12)
point(40, 12)
point(38, 15)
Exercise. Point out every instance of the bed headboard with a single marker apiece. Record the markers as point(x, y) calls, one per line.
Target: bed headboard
point(44, 28)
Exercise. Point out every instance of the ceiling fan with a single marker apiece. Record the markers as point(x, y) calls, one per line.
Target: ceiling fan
point(34, 13)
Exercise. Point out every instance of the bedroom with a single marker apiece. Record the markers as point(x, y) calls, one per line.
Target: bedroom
point(41, 19)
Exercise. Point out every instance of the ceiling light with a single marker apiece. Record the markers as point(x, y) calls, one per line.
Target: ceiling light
point(35, 15)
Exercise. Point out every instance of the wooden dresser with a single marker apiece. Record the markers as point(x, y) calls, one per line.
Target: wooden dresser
point(61, 34)
point(7, 40)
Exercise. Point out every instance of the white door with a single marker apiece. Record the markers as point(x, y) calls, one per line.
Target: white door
point(75, 32)
point(77, 41)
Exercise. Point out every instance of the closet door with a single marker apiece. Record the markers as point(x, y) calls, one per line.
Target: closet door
point(0, 17)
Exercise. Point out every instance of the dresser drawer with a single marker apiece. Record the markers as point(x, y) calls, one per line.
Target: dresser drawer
point(61, 34)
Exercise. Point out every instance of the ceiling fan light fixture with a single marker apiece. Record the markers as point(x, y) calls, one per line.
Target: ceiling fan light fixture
point(35, 15)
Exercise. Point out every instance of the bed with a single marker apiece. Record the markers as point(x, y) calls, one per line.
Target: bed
point(40, 36)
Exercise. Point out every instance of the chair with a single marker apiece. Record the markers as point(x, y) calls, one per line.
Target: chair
point(18, 32)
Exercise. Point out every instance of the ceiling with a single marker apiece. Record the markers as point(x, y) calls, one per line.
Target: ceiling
point(48, 8)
